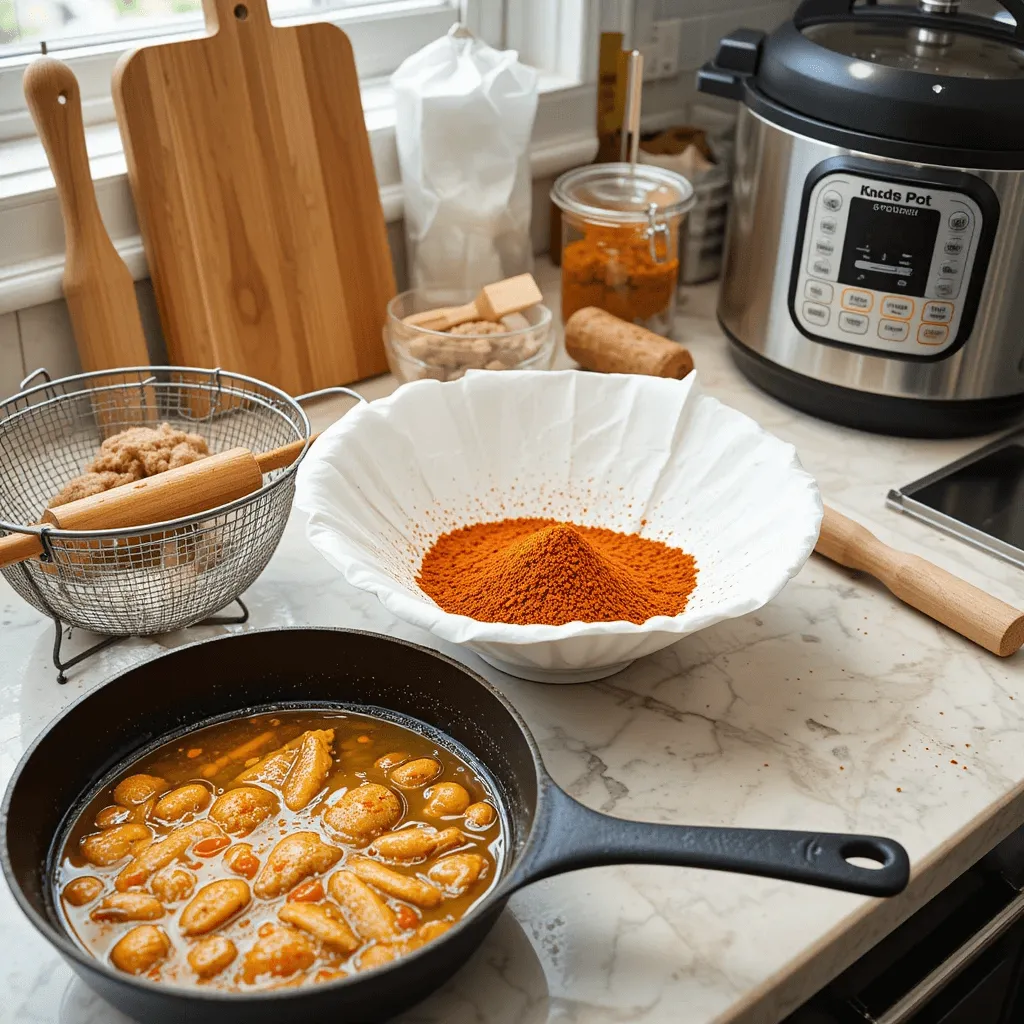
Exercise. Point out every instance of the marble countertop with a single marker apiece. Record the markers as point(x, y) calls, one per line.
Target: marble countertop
point(833, 708)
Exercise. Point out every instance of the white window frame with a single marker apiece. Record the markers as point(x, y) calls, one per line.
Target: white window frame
point(557, 36)
point(382, 35)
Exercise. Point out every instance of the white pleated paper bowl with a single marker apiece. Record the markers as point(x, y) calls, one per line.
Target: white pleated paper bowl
point(630, 453)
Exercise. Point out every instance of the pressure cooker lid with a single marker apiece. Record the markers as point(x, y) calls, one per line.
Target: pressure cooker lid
point(929, 51)
point(924, 73)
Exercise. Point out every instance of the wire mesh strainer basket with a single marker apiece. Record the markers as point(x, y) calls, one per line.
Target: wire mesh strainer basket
point(134, 582)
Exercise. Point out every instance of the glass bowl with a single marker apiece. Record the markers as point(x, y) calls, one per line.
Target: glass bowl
point(526, 340)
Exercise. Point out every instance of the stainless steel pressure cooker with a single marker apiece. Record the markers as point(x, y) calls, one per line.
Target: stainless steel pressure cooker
point(874, 268)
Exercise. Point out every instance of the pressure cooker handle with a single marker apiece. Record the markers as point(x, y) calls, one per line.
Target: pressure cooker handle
point(823, 10)
point(571, 836)
point(739, 54)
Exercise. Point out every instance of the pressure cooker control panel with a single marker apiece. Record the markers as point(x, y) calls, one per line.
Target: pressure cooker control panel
point(885, 265)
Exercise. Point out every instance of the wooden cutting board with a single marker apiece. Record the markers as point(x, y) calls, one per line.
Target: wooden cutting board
point(259, 207)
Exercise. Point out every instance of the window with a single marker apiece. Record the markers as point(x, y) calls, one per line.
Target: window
point(26, 24)
point(92, 34)
point(557, 36)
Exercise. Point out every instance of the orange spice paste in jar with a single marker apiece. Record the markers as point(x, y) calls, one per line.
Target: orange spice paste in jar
point(612, 268)
point(542, 571)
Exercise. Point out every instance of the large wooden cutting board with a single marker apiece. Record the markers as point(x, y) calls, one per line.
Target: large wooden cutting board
point(259, 207)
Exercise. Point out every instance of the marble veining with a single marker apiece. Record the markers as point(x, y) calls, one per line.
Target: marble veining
point(832, 708)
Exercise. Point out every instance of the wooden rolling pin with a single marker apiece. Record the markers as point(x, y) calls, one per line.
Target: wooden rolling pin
point(989, 622)
point(184, 491)
point(600, 341)
point(502, 298)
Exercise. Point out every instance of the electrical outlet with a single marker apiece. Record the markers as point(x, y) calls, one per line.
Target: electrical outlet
point(664, 43)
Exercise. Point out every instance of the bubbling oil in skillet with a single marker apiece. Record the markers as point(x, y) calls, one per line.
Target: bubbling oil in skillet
point(388, 839)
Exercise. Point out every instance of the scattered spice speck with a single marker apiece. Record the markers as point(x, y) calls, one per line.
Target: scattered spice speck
point(842, 767)
point(953, 760)
point(766, 764)
point(899, 789)
point(967, 745)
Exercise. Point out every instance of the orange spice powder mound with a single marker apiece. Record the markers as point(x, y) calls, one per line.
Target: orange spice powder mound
point(542, 571)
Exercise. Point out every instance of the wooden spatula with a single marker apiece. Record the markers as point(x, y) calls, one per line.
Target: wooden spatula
point(97, 285)
point(184, 491)
point(989, 622)
point(502, 298)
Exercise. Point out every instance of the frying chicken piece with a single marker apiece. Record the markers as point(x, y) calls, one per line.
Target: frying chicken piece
point(294, 858)
point(371, 917)
point(209, 956)
point(364, 812)
point(279, 952)
point(239, 811)
point(310, 770)
point(323, 922)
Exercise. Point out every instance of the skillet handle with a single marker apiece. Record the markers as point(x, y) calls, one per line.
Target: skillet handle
point(574, 836)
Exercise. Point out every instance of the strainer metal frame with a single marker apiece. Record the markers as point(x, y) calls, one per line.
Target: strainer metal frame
point(239, 520)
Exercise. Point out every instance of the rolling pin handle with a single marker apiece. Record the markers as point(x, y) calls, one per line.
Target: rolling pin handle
point(19, 545)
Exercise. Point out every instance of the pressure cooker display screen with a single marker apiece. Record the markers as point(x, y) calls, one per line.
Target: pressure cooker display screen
point(888, 246)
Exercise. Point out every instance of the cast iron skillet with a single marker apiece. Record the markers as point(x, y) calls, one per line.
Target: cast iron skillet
point(547, 831)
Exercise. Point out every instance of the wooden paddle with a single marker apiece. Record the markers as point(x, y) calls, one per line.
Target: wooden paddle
point(185, 491)
point(989, 622)
point(502, 298)
point(98, 286)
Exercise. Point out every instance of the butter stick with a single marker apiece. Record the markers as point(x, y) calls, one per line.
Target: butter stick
point(599, 341)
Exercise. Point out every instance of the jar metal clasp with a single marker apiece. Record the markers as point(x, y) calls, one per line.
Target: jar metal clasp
point(655, 228)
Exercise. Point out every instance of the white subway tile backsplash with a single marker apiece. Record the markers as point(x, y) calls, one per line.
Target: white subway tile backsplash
point(47, 339)
point(41, 336)
point(12, 366)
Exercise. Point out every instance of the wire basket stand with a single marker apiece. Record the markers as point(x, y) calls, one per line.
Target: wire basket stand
point(164, 576)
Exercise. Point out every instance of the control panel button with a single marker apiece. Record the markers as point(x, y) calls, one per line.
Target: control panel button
point(823, 247)
point(828, 225)
point(902, 309)
point(832, 201)
point(938, 312)
point(853, 323)
point(959, 221)
point(932, 334)
point(853, 298)
point(950, 268)
point(953, 246)
point(893, 330)
point(818, 291)
point(821, 266)
point(815, 313)
point(945, 289)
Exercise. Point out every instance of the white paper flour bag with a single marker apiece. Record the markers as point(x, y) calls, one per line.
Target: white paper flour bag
point(465, 112)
